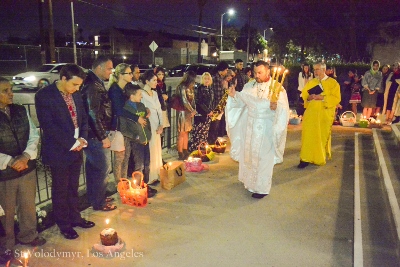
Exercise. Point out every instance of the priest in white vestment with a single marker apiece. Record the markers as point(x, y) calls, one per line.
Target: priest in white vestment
point(257, 125)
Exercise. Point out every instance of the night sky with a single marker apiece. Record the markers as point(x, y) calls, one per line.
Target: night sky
point(20, 17)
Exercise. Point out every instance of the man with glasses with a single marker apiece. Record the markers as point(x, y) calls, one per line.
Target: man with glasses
point(321, 95)
point(18, 150)
point(98, 107)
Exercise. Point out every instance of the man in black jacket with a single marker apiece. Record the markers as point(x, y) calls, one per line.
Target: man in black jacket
point(98, 108)
point(63, 121)
point(18, 150)
point(240, 78)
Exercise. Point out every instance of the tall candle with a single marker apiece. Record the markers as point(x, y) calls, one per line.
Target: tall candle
point(272, 81)
point(283, 77)
point(25, 259)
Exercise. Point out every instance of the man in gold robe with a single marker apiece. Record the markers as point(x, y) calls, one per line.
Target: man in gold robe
point(320, 95)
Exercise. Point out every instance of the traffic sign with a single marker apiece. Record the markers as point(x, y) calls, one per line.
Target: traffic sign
point(153, 46)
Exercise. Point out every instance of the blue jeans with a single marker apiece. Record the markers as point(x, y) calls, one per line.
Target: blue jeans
point(141, 158)
point(97, 168)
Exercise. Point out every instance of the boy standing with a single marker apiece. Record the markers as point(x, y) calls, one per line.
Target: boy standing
point(136, 135)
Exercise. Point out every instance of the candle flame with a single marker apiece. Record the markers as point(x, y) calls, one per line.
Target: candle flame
point(169, 163)
point(107, 221)
point(25, 255)
point(134, 181)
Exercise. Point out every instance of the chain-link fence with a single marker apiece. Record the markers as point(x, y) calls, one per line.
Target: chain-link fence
point(21, 58)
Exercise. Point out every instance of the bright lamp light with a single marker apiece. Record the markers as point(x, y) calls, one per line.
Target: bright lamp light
point(30, 78)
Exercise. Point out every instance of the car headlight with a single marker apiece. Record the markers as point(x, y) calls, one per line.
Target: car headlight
point(30, 78)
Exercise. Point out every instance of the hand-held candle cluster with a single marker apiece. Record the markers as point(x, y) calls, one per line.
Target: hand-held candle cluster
point(276, 86)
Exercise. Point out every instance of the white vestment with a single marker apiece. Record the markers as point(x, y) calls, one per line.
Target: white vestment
point(257, 134)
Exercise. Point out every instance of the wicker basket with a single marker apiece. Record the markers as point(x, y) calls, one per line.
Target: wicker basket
point(295, 120)
point(347, 121)
point(219, 146)
point(204, 152)
point(134, 196)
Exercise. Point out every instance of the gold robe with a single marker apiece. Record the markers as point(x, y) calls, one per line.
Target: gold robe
point(317, 121)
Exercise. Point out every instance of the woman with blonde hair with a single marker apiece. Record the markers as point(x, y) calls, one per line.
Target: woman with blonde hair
point(121, 76)
point(204, 98)
point(185, 90)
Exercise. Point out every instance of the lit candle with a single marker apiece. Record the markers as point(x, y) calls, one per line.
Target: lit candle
point(107, 221)
point(25, 259)
point(283, 77)
point(273, 77)
point(134, 183)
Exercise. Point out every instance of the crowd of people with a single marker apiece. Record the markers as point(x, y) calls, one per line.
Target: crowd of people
point(78, 114)
point(375, 90)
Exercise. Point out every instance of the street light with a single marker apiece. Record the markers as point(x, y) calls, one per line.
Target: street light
point(267, 29)
point(230, 13)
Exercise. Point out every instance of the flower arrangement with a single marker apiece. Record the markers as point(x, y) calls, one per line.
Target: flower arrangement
point(40, 215)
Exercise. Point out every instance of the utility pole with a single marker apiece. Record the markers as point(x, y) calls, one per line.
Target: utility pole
point(248, 34)
point(201, 4)
point(51, 34)
point(42, 37)
point(73, 31)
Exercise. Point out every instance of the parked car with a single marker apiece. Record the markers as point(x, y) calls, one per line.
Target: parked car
point(178, 71)
point(199, 69)
point(43, 76)
point(143, 67)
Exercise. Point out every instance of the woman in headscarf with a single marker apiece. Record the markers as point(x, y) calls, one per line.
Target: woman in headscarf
point(371, 83)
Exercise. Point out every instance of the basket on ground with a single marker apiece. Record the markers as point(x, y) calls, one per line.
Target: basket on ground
point(348, 119)
point(135, 195)
point(295, 120)
point(219, 146)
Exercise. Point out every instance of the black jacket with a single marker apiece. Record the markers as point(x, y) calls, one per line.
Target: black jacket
point(97, 105)
point(57, 126)
point(14, 136)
